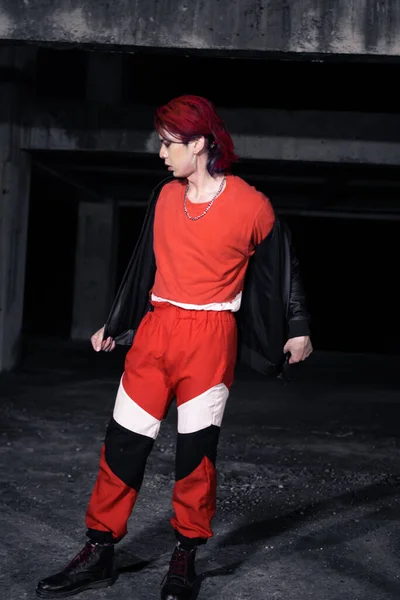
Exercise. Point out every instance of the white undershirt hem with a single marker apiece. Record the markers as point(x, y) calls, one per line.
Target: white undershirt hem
point(232, 306)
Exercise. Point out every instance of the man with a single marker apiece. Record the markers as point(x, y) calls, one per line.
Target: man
point(211, 249)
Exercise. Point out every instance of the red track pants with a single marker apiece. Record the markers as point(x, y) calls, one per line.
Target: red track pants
point(176, 352)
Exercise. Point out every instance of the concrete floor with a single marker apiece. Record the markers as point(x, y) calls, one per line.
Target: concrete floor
point(308, 493)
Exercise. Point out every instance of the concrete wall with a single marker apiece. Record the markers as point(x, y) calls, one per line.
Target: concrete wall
point(248, 26)
point(14, 208)
point(94, 268)
point(258, 134)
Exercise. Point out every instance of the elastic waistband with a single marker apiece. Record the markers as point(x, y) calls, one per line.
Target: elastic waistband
point(165, 308)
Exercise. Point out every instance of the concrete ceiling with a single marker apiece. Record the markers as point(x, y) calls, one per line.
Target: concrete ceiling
point(349, 27)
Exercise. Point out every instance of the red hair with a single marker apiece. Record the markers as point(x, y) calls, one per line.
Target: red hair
point(189, 117)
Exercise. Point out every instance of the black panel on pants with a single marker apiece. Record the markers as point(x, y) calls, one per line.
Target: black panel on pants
point(126, 453)
point(191, 448)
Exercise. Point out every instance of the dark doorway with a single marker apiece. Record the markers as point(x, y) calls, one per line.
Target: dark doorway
point(349, 268)
point(50, 257)
point(344, 220)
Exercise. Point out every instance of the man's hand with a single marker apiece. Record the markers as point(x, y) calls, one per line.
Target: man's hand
point(99, 344)
point(299, 348)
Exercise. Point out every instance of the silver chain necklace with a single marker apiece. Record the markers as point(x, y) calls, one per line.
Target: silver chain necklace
point(209, 205)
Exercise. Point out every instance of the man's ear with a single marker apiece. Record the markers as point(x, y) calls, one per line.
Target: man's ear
point(200, 144)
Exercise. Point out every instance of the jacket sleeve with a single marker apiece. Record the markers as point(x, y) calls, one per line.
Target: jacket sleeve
point(132, 299)
point(298, 315)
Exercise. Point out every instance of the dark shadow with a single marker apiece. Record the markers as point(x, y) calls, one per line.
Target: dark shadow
point(258, 531)
point(218, 572)
point(135, 567)
point(352, 568)
point(342, 532)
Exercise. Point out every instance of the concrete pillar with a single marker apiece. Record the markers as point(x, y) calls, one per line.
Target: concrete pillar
point(94, 284)
point(14, 205)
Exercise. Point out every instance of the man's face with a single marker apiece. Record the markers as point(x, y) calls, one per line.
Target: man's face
point(177, 156)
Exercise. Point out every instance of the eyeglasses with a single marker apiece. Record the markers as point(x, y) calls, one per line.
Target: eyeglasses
point(169, 142)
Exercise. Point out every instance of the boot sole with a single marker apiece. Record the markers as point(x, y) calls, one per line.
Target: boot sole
point(91, 586)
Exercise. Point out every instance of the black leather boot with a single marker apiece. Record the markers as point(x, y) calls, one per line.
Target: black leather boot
point(92, 568)
point(181, 576)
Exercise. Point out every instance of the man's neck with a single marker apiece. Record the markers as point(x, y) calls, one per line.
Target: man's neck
point(202, 186)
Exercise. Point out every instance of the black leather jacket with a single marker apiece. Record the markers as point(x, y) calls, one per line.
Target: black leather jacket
point(273, 305)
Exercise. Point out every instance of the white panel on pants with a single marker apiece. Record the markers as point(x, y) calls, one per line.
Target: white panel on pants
point(204, 410)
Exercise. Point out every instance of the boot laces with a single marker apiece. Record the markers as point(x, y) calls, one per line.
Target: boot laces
point(83, 556)
point(179, 563)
